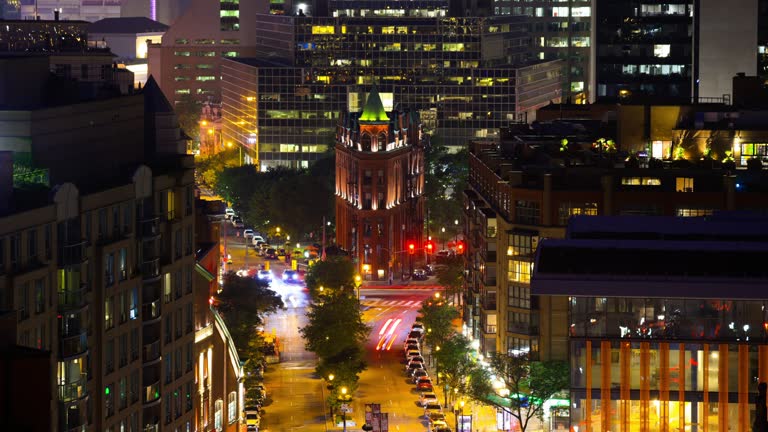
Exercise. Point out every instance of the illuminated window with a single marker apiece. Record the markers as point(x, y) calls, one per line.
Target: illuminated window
point(205, 78)
point(181, 53)
point(181, 78)
point(577, 86)
point(568, 209)
point(181, 91)
point(323, 29)
point(232, 407)
point(559, 11)
point(453, 47)
point(684, 184)
point(661, 50)
point(641, 181)
point(527, 212)
point(693, 212)
point(230, 41)
point(204, 66)
point(558, 42)
point(580, 41)
point(583, 11)
point(229, 54)
point(206, 53)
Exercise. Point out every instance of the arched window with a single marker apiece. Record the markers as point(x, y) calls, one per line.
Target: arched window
point(382, 141)
point(232, 407)
point(217, 414)
point(365, 142)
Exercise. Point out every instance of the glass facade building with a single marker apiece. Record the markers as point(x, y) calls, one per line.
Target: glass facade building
point(644, 48)
point(467, 77)
point(663, 334)
point(558, 31)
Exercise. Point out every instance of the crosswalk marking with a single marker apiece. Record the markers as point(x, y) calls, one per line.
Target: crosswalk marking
point(391, 303)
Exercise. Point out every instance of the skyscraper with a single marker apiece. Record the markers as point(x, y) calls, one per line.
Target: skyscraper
point(465, 76)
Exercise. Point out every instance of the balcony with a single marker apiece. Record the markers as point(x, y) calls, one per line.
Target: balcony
point(151, 312)
point(152, 352)
point(73, 345)
point(150, 269)
point(73, 253)
point(520, 328)
point(152, 394)
point(149, 228)
point(74, 390)
point(489, 329)
point(72, 299)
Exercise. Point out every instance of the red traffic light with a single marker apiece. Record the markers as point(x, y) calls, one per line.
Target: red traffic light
point(411, 248)
point(430, 247)
point(460, 247)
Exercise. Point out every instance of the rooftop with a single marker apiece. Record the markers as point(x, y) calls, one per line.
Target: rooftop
point(129, 25)
point(374, 111)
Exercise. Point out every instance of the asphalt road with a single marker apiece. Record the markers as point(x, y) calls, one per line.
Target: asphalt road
point(296, 395)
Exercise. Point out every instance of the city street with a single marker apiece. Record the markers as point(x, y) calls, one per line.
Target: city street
point(297, 396)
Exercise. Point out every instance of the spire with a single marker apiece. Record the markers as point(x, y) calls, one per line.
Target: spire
point(374, 111)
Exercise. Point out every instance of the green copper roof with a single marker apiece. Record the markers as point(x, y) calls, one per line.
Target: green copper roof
point(374, 109)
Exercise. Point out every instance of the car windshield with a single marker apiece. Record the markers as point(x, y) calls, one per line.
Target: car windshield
point(433, 406)
point(436, 416)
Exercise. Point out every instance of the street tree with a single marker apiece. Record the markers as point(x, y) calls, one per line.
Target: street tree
point(243, 303)
point(188, 110)
point(335, 274)
point(299, 202)
point(522, 387)
point(437, 316)
point(451, 275)
point(445, 179)
point(455, 365)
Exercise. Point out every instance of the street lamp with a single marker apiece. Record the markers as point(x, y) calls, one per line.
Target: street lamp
point(343, 409)
point(443, 236)
point(456, 223)
point(437, 364)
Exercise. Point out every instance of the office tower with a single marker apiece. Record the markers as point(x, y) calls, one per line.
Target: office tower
point(559, 31)
point(379, 188)
point(188, 60)
point(514, 199)
point(663, 333)
point(681, 50)
point(96, 248)
point(164, 11)
point(67, 10)
point(466, 77)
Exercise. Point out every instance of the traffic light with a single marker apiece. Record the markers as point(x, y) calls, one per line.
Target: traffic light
point(430, 247)
point(411, 248)
point(460, 247)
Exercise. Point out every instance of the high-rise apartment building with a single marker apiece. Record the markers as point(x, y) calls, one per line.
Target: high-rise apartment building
point(187, 63)
point(466, 77)
point(559, 31)
point(684, 49)
point(512, 202)
point(379, 188)
point(97, 263)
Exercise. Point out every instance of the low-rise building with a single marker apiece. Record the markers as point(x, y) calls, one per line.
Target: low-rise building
point(664, 332)
point(522, 190)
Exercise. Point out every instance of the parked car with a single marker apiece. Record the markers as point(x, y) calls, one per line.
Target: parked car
point(432, 407)
point(412, 353)
point(419, 327)
point(410, 341)
point(412, 367)
point(265, 275)
point(419, 274)
point(424, 384)
point(412, 347)
point(257, 238)
point(427, 397)
point(247, 234)
point(441, 429)
point(419, 373)
point(412, 362)
point(436, 418)
point(229, 213)
point(430, 269)
point(416, 334)
point(280, 252)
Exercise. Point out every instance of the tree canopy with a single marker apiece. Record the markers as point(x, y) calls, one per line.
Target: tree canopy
point(437, 315)
point(243, 303)
point(445, 179)
point(527, 384)
point(451, 275)
point(334, 274)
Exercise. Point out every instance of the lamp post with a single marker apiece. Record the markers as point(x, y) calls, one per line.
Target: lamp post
point(437, 364)
point(456, 238)
point(343, 409)
point(358, 283)
point(443, 237)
